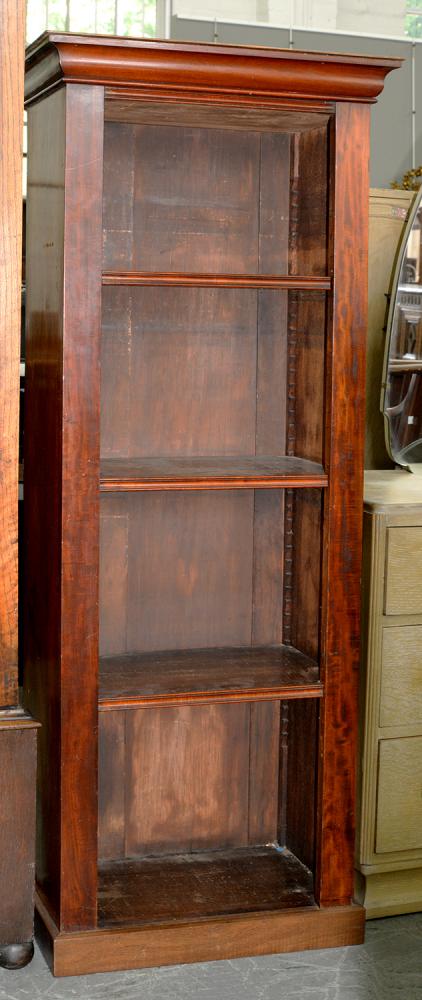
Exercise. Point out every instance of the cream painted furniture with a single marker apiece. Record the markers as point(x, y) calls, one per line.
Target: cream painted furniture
point(389, 850)
point(388, 212)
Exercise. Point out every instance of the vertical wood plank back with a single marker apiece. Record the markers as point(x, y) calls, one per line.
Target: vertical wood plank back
point(187, 780)
point(345, 413)
point(111, 784)
point(114, 559)
point(190, 570)
point(12, 32)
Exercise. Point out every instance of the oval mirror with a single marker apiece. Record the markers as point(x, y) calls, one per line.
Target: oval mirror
point(401, 394)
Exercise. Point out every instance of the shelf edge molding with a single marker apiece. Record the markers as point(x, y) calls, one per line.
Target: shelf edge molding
point(226, 483)
point(302, 282)
point(211, 698)
point(140, 474)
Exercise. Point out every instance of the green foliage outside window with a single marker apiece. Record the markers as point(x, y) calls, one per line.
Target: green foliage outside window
point(413, 19)
point(104, 17)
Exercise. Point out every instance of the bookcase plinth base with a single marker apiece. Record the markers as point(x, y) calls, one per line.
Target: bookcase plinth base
point(204, 940)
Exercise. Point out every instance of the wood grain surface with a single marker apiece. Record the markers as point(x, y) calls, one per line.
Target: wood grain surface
point(122, 108)
point(245, 673)
point(61, 488)
point(18, 760)
point(191, 365)
point(344, 436)
point(221, 472)
point(188, 778)
point(171, 943)
point(12, 16)
point(222, 882)
point(191, 70)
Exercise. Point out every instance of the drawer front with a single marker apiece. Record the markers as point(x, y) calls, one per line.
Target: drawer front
point(401, 681)
point(403, 572)
point(399, 812)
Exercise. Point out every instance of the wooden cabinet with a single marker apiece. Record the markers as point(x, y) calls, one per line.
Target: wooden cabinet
point(389, 857)
point(17, 729)
point(196, 272)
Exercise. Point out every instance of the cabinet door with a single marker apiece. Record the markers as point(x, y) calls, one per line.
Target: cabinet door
point(399, 814)
point(401, 683)
point(403, 580)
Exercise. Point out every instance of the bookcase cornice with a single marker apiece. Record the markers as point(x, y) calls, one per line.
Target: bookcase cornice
point(190, 67)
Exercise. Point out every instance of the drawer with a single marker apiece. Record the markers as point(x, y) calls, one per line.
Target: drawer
point(401, 679)
point(399, 811)
point(403, 572)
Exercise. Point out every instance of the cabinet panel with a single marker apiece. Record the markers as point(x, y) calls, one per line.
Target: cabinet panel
point(188, 778)
point(186, 570)
point(197, 371)
point(403, 591)
point(401, 683)
point(399, 817)
point(205, 199)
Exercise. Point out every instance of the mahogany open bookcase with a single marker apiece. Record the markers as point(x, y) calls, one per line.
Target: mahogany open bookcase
point(196, 269)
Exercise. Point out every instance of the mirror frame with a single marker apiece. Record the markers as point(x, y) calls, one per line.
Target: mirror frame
point(392, 305)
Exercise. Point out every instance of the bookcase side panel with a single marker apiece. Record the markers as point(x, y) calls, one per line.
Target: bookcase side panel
point(61, 488)
point(40, 576)
point(80, 503)
point(345, 410)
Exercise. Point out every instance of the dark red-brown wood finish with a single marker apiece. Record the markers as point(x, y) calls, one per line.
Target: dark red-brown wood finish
point(18, 744)
point(61, 489)
point(196, 309)
point(170, 68)
point(343, 459)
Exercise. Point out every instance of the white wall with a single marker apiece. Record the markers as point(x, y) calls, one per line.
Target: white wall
point(371, 16)
point(380, 17)
point(224, 10)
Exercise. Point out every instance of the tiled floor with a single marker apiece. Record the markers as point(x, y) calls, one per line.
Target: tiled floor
point(387, 967)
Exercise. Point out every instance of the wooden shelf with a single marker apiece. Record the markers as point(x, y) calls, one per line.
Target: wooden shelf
point(206, 473)
point(283, 282)
point(257, 673)
point(190, 886)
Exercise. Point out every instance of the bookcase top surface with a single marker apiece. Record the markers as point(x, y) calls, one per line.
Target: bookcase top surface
point(198, 70)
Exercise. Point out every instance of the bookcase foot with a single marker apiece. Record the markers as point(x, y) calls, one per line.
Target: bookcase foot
point(15, 956)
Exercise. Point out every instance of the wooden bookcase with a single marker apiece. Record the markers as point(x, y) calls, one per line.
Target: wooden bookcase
point(197, 233)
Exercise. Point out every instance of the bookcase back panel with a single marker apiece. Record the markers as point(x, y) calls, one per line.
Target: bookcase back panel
point(186, 570)
point(210, 200)
point(199, 371)
point(195, 199)
point(188, 778)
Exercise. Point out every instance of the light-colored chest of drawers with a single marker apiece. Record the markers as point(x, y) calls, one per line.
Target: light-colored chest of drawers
point(389, 847)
